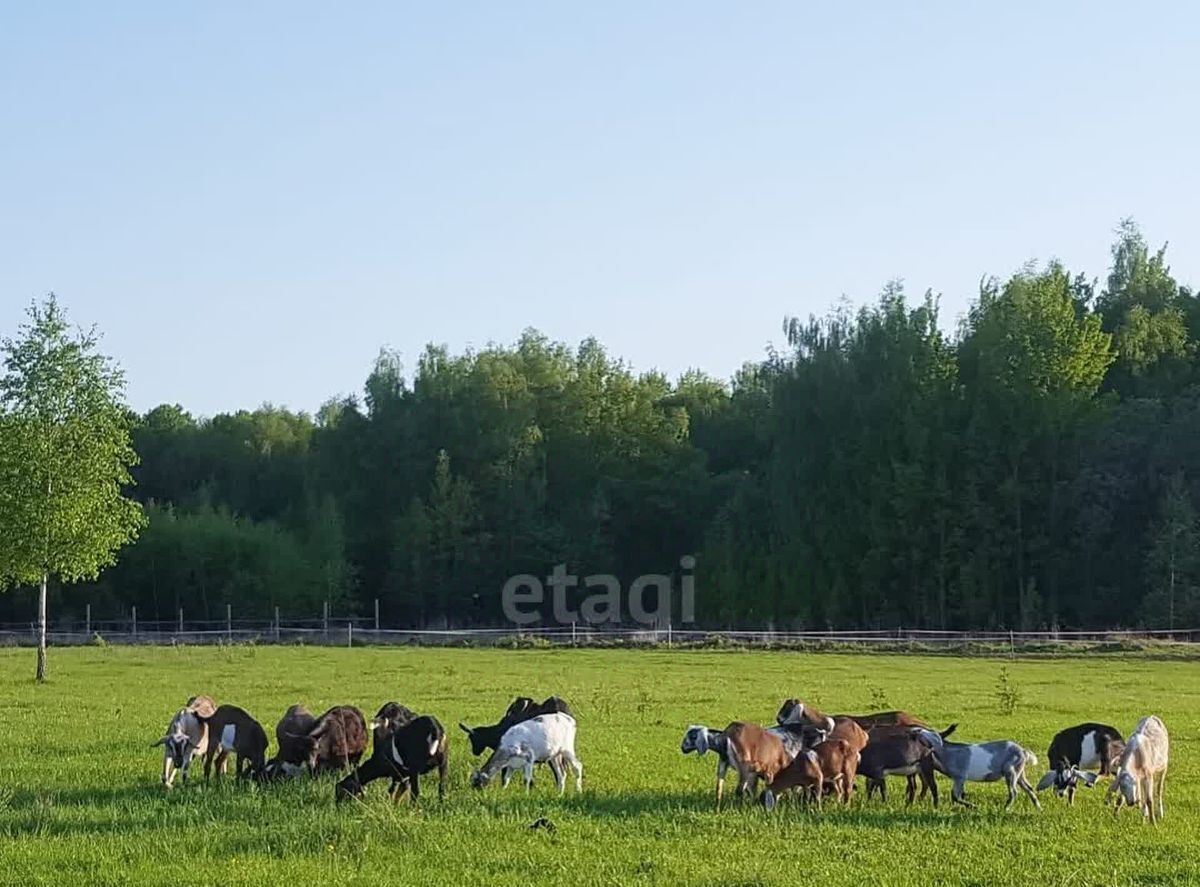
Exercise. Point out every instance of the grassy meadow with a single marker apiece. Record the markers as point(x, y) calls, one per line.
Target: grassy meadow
point(81, 802)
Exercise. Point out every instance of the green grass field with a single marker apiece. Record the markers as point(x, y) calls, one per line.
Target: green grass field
point(80, 799)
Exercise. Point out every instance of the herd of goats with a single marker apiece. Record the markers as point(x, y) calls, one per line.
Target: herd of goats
point(806, 750)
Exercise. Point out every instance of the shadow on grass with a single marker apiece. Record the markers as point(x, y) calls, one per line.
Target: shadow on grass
point(88, 810)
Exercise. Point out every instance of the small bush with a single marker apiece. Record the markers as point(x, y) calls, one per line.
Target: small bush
point(1008, 697)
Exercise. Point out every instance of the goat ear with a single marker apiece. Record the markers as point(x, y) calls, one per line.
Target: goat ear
point(1089, 779)
point(1046, 781)
point(702, 742)
point(160, 741)
point(376, 723)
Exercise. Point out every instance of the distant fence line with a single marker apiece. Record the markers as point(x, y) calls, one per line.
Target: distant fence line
point(362, 631)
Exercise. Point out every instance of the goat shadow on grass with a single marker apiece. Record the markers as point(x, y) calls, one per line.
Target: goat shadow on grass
point(25, 799)
point(633, 804)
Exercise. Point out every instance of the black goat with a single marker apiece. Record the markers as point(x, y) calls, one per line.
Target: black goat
point(405, 754)
point(1077, 749)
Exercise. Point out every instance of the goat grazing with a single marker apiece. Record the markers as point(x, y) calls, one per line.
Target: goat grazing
point(746, 747)
point(795, 736)
point(1142, 776)
point(833, 761)
point(983, 762)
point(202, 705)
point(548, 739)
point(232, 729)
point(520, 709)
point(336, 740)
point(292, 755)
point(1078, 749)
point(186, 738)
point(406, 747)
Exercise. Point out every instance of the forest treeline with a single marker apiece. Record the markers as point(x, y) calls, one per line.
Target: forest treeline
point(1036, 467)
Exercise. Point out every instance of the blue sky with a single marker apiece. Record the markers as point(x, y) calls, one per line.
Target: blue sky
point(251, 198)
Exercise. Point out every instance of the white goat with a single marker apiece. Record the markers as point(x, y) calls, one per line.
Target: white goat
point(186, 738)
point(1143, 764)
point(548, 739)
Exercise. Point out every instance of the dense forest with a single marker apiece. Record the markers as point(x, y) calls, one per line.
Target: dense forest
point(1036, 467)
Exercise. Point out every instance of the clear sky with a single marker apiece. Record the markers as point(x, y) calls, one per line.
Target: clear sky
point(251, 198)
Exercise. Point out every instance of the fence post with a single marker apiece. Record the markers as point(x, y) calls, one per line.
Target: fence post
point(133, 612)
point(325, 621)
point(181, 620)
point(277, 625)
point(229, 622)
point(350, 633)
point(88, 622)
point(377, 616)
point(572, 634)
point(668, 633)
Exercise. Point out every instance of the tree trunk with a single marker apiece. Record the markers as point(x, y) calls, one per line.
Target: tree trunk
point(41, 650)
point(1171, 592)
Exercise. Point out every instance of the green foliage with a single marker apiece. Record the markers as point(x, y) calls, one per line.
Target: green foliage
point(1008, 696)
point(1034, 468)
point(1173, 560)
point(65, 454)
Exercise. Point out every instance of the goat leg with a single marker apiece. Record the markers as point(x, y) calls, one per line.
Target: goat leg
point(928, 782)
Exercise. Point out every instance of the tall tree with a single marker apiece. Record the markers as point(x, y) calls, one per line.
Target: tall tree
point(1143, 307)
point(65, 456)
point(1173, 558)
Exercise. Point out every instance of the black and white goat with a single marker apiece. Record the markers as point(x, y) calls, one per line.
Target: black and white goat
point(186, 738)
point(407, 746)
point(1077, 750)
point(233, 730)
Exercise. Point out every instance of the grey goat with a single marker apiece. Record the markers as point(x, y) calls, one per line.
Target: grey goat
point(983, 762)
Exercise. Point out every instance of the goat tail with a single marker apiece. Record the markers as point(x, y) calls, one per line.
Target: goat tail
point(1030, 758)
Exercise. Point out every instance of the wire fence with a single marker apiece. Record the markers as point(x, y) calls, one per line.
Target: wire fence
point(365, 631)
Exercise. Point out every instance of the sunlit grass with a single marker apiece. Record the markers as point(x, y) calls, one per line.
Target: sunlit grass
point(80, 800)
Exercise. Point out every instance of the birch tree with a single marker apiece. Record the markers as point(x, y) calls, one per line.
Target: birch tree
point(65, 455)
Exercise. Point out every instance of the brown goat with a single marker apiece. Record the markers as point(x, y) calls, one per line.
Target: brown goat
point(833, 761)
point(754, 752)
point(336, 740)
point(848, 730)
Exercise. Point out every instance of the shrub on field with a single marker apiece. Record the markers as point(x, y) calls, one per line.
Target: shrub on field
point(522, 642)
point(1007, 694)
